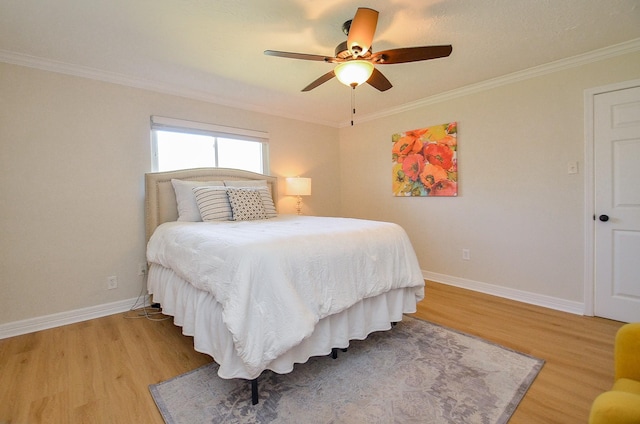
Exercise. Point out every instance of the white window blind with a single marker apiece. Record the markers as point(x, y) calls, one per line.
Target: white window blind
point(181, 144)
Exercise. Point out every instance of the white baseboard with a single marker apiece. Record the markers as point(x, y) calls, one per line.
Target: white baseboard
point(31, 325)
point(70, 317)
point(508, 293)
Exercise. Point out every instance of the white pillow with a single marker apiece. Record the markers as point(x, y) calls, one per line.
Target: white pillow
point(265, 193)
point(246, 204)
point(185, 200)
point(213, 203)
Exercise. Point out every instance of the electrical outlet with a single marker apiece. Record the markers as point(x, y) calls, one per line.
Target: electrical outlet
point(466, 255)
point(112, 282)
point(142, 268)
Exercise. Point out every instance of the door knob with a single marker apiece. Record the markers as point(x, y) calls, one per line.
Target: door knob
point(603, 218)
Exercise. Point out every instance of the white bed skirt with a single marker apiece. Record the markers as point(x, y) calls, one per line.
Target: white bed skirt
point(200, 316)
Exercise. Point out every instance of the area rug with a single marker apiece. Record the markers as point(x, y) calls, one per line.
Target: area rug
point(417, 372)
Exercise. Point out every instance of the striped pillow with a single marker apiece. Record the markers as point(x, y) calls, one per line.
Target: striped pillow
point(267, 202)
point(246, 204)
point(185, 200)
point(213, 203)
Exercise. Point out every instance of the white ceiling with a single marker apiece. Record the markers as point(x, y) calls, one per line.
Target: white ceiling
point(213, 49)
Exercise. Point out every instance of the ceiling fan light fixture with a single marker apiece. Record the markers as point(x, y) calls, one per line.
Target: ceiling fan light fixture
point(354, 72)
point(355, 59)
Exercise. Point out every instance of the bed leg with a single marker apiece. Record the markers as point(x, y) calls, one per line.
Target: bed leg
point(254, 391)
point(334, 352)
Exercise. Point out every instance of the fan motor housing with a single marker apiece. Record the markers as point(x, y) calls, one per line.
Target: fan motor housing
point(342, 52)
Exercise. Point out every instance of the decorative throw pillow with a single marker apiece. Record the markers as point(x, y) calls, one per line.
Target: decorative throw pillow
point(185, 200)
point(265, 193)
point(246, 204)
point(267, 202)
point(213, 203)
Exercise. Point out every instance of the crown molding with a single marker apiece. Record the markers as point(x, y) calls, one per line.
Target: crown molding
point(559, 65)
point(50, 65)
point(172, 89)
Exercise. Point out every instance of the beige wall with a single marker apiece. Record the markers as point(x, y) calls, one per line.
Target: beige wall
point(518, 211)
point(73, 153)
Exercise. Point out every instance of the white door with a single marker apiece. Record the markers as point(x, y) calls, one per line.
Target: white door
point(617, 204)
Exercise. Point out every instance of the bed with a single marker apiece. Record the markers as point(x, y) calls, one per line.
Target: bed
point(266, 293)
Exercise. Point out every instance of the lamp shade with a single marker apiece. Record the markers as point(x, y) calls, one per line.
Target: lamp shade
point(353, 72)
point(297, 186)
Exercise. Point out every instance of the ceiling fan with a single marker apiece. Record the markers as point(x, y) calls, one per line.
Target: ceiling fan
point(355, 58)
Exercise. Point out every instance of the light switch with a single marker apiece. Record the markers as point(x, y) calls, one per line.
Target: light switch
point(572, 168)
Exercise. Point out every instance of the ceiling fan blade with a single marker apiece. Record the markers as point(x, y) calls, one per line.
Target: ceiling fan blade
point(379, 81)
point(362, 30)
point(302, 56)
point(326, 77)
point(410, 54)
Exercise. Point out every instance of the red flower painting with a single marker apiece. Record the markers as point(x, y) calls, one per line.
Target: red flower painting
point(424, 161)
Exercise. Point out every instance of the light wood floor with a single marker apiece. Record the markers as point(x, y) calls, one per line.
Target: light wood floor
point(99, 371)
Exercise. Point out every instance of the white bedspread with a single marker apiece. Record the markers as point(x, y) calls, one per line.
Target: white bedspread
point(276, 278)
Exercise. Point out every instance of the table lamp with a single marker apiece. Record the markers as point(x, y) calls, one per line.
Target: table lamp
point(297, 186)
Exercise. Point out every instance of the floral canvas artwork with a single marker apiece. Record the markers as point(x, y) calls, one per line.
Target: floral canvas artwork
point(425, 161)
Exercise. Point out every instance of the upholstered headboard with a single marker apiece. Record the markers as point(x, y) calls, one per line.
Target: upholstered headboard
point(160, 199)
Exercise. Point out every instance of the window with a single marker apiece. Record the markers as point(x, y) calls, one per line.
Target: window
point(180, 144)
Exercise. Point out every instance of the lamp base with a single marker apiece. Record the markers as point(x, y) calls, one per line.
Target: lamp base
point(299, 206)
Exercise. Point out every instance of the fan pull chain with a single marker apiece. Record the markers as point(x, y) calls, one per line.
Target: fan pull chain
point(353, 101)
